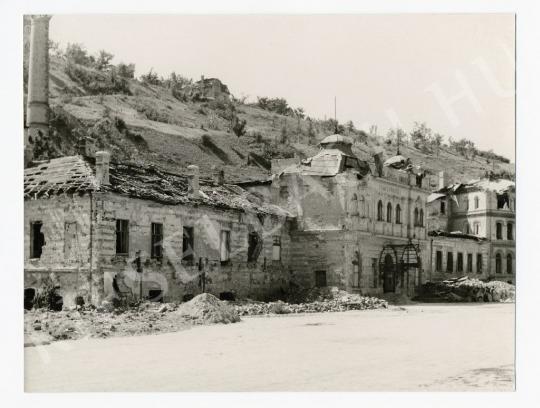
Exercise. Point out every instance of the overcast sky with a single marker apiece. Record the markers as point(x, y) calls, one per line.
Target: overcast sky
point(455, 72)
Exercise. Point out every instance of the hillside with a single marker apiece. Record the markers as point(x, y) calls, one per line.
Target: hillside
point(146, 122)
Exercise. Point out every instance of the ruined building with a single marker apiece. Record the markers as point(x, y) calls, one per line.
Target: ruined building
point(472, 229)
point(359, 228)
point(98, 228)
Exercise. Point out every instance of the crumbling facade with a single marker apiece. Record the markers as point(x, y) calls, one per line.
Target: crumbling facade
point(472, 226)
point(100, 229)
point(357, 228)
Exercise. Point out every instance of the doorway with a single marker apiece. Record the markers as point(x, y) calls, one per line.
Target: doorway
point(389, 284)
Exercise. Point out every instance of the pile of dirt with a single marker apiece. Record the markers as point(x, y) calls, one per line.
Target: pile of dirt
point(327, 300)
point(208, 309)
point(43, 326)
point(467, 290)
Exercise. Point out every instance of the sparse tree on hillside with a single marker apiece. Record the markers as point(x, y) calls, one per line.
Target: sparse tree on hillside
point(103, 61)
point(126, 70)
point(310, 132)
point(437, 139)
point(151, 78)
point(77, 54)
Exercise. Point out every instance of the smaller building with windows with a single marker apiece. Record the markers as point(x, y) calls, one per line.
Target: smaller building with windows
point(474, 218)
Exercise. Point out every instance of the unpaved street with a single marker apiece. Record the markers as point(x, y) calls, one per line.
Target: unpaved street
point(419, 347)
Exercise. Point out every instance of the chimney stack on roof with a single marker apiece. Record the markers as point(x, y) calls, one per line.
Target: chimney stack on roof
point(443, 179)
point(219, 175)
point(37, 112)
point(86, 147)
point(377, 157)
point(193, 187)
point(103, 159)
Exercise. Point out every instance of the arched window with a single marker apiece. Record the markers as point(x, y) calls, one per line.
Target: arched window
point(499, 230)
point(416, 216)
point(421, 220)
point(354, 205)
point(498, 263)
point(398, 214)
point(510, 231)
point(379, 211)
point(476, 228)
point(509, 264)
point(362, 206)
point(476, 202)
point(466, 202)
point(389, 212)
point(466, 229)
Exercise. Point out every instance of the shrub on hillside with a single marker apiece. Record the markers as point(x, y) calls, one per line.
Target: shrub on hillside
point(96, 82)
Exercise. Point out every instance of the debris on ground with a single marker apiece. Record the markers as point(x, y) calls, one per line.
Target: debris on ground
point(464, 289)
point(42, 326)
point(318, 300)
point(208, 309)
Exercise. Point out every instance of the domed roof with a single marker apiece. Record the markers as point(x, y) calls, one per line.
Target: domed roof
point(336, 139)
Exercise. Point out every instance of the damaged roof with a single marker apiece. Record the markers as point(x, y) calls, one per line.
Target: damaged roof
point(76, 174)
point(334, 157)
point(455, 234)
point(498, 185)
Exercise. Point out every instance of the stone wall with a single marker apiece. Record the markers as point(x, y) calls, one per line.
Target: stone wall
point(176, 277)
point(69, 248)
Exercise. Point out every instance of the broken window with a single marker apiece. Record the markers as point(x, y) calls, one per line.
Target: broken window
point(469, 263)
point(357, 270)
point(188, 244)
point(225, 246)
point(438, 261)
point(276, 248)
point(354, 205)
point(503, 202)
point(379, 211)
point(479, 263)
point(398, 214)
point(389, 212)
point(509, 264)
point(320, 279)
point(450, 262)
point(156, 249)
point(375, 273)
point(498, 263)
point(350, 163)
point(499, 230)
point(70, 240)
point(122, 237)
point(510, 231)
point(254, 246)
point(443, 207)
point(460, 262)
point(419, 180)
point(37, 239)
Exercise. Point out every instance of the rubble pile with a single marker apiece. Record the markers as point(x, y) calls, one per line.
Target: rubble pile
point(209, 309)
point(42, 326)
point(331, 300)
point(465, 289)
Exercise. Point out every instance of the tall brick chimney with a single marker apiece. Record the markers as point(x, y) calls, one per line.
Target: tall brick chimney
point(37, 112)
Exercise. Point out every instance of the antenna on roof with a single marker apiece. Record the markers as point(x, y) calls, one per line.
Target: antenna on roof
point(335, 115)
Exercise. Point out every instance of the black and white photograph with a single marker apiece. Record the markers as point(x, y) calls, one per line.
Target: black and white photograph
point(268, 202)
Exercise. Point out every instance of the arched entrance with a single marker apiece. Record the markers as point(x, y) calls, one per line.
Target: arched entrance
point(389, 283)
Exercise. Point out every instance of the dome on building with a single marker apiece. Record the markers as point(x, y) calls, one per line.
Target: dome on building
point(397, 161)
point(336, 139)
